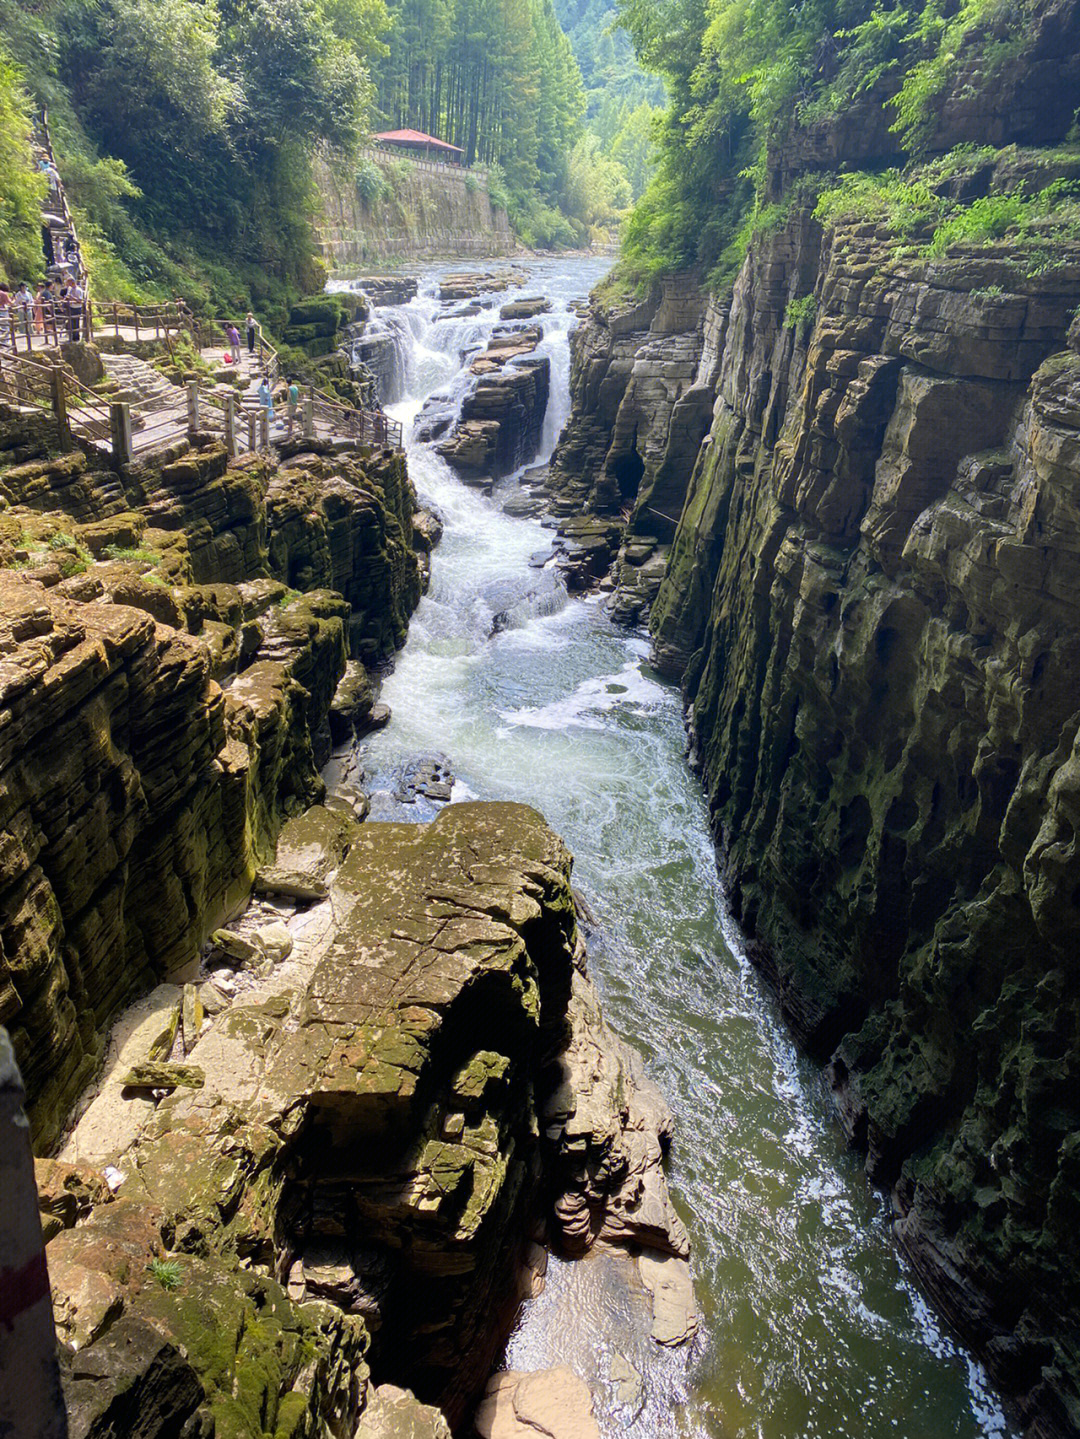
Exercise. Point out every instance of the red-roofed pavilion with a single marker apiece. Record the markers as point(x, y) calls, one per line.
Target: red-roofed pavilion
point(426, 146)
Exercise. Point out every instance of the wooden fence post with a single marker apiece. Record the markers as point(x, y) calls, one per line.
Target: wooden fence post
point(193, 406)
point(120, 432)
point(309, 418)
point(264, 429)
point(229, 405)
point(252, 432)
point(59, 405)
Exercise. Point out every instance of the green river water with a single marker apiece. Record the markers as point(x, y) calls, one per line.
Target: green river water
point(811, 1327)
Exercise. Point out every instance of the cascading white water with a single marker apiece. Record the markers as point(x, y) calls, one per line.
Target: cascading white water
point(811, 1327)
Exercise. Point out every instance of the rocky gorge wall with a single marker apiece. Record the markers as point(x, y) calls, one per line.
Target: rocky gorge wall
point(872, 601)
point(169, 668)
point(870, 598)
point(316, 1095)
point(419, 213)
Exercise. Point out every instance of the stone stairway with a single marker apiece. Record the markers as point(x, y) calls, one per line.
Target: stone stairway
point(159, 413)
point(142, 385)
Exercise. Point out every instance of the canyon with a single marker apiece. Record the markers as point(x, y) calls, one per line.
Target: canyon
point(843, 495)
point(311, 1093)
point(363, 1115)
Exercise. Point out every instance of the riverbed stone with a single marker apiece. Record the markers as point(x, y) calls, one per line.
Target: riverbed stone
point(310, 848)
point(675, 1315)
point(393, 1413)
point(551, 1403)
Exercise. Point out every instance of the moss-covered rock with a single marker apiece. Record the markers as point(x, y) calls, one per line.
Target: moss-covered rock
point(871, 597)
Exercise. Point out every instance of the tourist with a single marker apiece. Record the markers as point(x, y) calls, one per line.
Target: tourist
point(293, 397)
point(42, 307)
point(252, 332)
point(266, 398)
point(24, 308)
point(76, 300)
point(233, 335)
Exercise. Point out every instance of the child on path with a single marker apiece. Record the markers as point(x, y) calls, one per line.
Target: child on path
point(266, 398)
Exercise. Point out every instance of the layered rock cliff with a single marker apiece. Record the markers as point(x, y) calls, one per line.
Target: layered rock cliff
point(871, 602)
point(168, 670)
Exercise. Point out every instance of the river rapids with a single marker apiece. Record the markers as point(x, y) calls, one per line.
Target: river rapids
point(811, 1327)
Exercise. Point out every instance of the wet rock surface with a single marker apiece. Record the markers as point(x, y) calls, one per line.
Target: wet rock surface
point(643, 378)
point(550, 1403)
point(502, 417)
point(360, 1166)
point(468, 284)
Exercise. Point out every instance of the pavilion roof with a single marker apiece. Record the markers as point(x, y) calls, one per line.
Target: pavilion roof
point(415, 137)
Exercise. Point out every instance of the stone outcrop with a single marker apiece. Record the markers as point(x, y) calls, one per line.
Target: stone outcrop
point(469, 284)
point(643, 376)
point(872, 601)
point(165, 702)
point(502, 417)
point(351, 1190)
point(546, 1404)
point(426, 211)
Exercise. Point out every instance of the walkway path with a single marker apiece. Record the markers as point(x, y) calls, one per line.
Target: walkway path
point(159, 414)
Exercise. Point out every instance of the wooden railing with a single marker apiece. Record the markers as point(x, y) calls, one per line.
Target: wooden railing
point(149, 322)
point(24, 324)
point(366, 427)
point(78, 410)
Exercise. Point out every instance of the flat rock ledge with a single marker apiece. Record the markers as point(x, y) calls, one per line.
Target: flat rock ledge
point(544, 1404)
point(410, 1076)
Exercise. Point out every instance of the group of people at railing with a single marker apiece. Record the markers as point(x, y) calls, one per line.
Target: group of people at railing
point(57, 309)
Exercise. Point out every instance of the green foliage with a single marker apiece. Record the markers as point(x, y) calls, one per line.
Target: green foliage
point(498, 79)
point(907, 205)
point(185, 131)
point(634, 145)
point(800, 314)
point(597, 191)
point(741, 74)
point(371, 184)
point(167, 1272)
point(939, 40)
point(1041, 227)
point(21, 187)
point(132, 555)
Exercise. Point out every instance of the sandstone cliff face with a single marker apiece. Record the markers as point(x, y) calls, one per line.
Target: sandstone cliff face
point(872, 597)
point(428, 212)
point(165, 702)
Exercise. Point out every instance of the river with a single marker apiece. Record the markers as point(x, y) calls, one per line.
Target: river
point(811, 1327)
